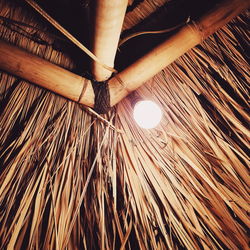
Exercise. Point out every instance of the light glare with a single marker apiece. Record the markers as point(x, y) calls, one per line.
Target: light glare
point(147, 114)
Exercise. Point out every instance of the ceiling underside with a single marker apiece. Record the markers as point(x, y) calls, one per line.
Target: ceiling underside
point(69, 178)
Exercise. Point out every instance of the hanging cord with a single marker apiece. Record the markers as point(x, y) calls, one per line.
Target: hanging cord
point(67, 34)
point(153, 32)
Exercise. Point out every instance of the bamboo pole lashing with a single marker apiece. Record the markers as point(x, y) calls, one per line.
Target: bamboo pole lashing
point(67, 84)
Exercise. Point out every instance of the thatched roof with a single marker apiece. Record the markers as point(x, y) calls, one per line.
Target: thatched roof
point(73, 179)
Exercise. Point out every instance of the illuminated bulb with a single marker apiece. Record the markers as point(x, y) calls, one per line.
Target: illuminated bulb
point(147, 114)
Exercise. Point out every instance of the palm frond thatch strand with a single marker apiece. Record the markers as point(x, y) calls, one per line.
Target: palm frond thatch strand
point(70, 181)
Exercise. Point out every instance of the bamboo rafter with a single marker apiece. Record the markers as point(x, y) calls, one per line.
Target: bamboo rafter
point(109, 16)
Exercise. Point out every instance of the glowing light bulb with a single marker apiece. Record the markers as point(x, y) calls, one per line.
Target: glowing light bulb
point(147, 114)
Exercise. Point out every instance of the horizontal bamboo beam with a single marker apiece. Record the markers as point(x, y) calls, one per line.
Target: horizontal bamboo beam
point(191, 35)
point(45, 74)
point(109, 16)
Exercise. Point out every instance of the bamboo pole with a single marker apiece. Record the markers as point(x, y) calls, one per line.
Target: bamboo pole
point(109, 16)
point(69, 85)
point(45, 74)
point(191, 35)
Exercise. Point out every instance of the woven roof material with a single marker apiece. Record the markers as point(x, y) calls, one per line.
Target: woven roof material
point(69, 179)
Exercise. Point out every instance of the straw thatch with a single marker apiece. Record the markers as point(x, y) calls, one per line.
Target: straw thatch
point(71, 180)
